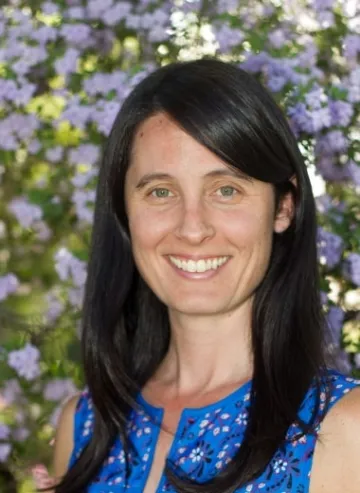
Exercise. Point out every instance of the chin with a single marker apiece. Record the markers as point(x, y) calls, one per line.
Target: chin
point(196, 307)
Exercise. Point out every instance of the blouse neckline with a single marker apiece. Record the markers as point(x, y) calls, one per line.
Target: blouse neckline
point(236, 395)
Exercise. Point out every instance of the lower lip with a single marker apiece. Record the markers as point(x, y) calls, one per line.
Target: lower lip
point(198, 275)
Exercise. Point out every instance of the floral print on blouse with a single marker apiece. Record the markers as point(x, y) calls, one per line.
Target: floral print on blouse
point(205, 441)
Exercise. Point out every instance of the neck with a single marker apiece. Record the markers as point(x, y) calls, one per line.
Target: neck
point(207, 352)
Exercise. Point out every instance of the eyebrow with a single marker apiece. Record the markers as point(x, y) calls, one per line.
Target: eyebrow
point(149, 177)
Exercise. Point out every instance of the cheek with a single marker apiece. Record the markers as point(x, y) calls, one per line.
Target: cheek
point(249, 228)
point(147, 229)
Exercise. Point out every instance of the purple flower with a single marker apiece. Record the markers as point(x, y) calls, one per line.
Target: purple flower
point(81, 179)
point(8, 89)
point(315, 98)
point(68, 266)
point(44, 34)
point(42, 231)
point(77, 13)
point(320, 5)
point(84, 154)
point(79, 35)
point(331, 170)
point(11, 391)
point(300, 118)
point(277, 38)
point(54, 154)
point(8, 285)
point(352, 84)
point(49, 8)
point(320, 119)
point(326, 19)
point(21, 434)
point(76, 295)
point(341, 113)
point(133, 21)
point(335, 319)
point(255, 63)
point(158, 34)
point(330, 248)
point(103, 83)
point(354, 172)
point(105, 115)
point(25, 362)
point(7, 140)
point(34, 54)
point(116, 13)
point(34, 146)
point(24, 94)
point(309, 121)
point(351, 46)
point(95, 8)
point(324, 298)
point(77, 114)
point(5, 449)
point(4, 432)
point(21, 67)
point(58, 389)
point(228, 37)
point(351, 268)
point(308, 58)
point(228, 6)
point(55, 307)
point(25, 213)
point(276, 83)
point(284, 68)
point(68, 63)
point(22, 125)
point(81, 199)
point(323, 203)
point(147, 20)
point(332, 142)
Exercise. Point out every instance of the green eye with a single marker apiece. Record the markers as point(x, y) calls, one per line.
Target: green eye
point(160, 193)
point(227, 191)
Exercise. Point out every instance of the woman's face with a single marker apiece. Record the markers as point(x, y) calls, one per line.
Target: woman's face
point(201, 234)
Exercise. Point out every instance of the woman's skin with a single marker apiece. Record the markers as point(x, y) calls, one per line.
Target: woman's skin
point(183, 201)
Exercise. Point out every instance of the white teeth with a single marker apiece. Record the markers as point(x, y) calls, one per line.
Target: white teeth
point(198, 266)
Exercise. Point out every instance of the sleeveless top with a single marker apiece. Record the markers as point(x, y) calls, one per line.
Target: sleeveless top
point(205, 441)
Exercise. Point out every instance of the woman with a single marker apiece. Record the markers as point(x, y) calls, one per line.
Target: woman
point(202, 326)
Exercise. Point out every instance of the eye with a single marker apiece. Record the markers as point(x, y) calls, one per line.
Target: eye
point(227, 191)
point(160, 193)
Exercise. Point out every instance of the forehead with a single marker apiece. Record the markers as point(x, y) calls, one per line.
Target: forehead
point(153, 128)
point(161, 144)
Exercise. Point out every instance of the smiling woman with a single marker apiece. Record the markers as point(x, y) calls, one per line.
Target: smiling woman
point(203, 335)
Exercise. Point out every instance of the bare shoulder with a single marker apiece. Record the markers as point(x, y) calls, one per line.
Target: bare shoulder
point(64, 441)
point(336, 458)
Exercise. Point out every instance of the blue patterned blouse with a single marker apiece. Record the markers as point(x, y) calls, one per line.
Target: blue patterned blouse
point(206, 440)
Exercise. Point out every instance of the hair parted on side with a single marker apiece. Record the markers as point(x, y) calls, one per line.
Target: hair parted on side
point(125, 327)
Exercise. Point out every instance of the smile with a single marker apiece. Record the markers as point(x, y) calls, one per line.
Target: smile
point(202, 265)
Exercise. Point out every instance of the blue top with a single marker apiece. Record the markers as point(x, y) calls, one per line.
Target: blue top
point(205, 441)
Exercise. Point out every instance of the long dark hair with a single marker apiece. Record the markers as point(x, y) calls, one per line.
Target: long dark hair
point(125, 327)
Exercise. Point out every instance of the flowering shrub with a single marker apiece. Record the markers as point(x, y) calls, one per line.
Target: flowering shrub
point(65, 67)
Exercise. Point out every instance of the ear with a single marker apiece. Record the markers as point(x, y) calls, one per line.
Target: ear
point(286, 210)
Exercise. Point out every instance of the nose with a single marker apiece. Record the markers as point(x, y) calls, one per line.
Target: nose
point(195, 225)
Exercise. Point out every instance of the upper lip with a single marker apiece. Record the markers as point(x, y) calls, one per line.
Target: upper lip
point(196, 257)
